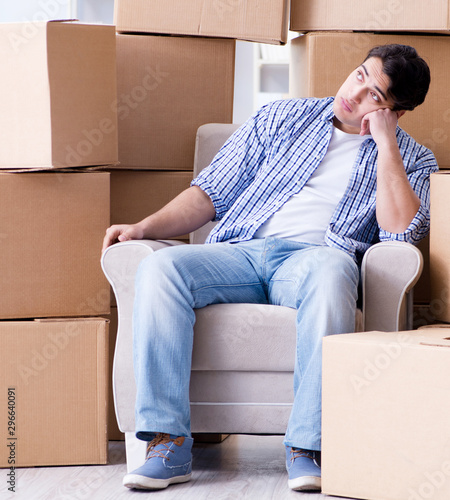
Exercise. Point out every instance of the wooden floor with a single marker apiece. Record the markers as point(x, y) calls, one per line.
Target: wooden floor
point(241, 467)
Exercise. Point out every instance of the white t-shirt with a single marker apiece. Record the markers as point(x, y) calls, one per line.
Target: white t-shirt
point(306, 215)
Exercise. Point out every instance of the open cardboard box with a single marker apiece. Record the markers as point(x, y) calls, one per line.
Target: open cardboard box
point(386, 406)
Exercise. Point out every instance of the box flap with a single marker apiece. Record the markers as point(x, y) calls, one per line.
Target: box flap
point(431, 337)
point(99, 320)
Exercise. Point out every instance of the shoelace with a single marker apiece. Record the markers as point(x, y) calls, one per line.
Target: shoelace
point(299, 452)
point(163, 439)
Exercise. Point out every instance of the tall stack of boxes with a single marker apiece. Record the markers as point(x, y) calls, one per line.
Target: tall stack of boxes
point(175, 72)
point(129, 99)
point(336, 38)
point(58, 117)
point(381, 440)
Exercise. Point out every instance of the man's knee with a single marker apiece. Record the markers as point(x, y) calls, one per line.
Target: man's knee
point(328, 259)
point(334, 267)
point(157, 264)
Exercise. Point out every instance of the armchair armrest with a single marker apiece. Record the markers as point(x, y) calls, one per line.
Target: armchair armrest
point(119, 263)
point(389, 272)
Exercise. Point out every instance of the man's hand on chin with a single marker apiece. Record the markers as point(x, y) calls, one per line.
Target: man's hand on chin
point(381, 124)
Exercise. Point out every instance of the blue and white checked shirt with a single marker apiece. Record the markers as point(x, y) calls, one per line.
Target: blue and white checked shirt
point(272, 156)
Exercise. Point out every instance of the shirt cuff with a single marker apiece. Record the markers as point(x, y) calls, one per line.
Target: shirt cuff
point(417, 229)
point(205, 186)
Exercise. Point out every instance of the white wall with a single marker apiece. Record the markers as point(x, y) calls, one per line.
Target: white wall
point(244, 82)
point(35, 10)
point(96, 11)
point(91, 11)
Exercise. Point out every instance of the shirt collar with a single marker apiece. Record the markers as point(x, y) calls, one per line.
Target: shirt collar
point(328, 113)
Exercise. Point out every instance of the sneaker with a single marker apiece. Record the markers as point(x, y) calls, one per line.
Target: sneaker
point(303, 467)
point(168, 461)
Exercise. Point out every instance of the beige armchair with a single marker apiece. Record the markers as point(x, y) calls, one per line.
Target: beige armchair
point(243, 358)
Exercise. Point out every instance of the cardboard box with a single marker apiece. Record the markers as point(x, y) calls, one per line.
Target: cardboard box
point(314, 75)
point(54, 382)
point(367, 15)
point(59, 88)
point(51, 231)
point(253, 20)
point(168, 87)
point(386, 401)
point(439, 246)
point(137, 194)
point(438, 326)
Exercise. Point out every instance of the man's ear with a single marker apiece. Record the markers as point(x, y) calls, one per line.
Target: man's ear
point(400, 113)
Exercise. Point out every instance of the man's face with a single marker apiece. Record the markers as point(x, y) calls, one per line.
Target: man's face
point(364, 91)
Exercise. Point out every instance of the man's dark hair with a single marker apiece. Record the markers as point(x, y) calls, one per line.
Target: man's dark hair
point(409, 74)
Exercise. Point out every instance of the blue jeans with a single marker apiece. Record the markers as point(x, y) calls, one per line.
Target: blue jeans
point(319, 281)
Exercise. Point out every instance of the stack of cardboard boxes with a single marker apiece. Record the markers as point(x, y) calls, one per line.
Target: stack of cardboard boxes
point(336, 38)
point(59, 88)
point(175, 72)
point(385, 394)
point(130, 99)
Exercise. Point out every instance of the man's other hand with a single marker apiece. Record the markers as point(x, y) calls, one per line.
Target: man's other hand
point(122, 232)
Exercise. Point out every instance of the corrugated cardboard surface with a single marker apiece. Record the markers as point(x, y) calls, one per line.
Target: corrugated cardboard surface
point(320, 63)
point(440, 245)
point(370, 15)
point(59, 92)
point(386, 401)
point(56, 373)
point(51, 231)
point(137, 194)
point(168, 87)
point(253, 20)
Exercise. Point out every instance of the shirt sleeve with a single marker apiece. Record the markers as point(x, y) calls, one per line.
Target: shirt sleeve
point(419, 177)
point(236, 164)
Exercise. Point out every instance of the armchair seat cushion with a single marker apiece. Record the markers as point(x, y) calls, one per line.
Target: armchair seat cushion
point(223, 337)
point(246, 337)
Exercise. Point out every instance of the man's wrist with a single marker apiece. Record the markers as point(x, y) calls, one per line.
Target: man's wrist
point(143, 229)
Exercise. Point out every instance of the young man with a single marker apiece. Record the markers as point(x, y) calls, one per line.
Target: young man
point(301, 191)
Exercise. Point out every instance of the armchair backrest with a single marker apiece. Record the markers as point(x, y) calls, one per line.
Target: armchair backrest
point(210, 138)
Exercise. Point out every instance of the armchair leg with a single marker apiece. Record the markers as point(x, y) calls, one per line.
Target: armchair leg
point(135, 451)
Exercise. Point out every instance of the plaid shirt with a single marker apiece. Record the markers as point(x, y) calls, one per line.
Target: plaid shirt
point(272, 156)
